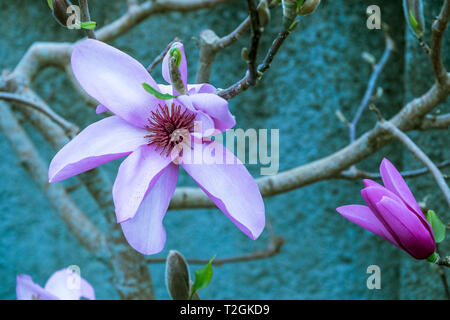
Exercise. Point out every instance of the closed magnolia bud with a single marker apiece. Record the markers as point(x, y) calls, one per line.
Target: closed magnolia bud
point(308, 7)
point(177, 276)
point(263, 12)
point(60, 11)
point(413, 10)
point(289, 12)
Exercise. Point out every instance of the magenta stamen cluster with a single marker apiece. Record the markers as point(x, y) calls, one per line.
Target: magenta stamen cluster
point(168, 127)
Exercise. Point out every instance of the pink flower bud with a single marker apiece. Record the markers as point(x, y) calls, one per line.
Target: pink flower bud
point(393, 213)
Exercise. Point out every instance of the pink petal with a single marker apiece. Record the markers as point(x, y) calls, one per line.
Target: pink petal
point(101, 142)
point(204, 125)
point(216, 107)
point(137, 174)
point(101, 109)
point(364, 217)
point(69, 285)
point(371, 183)
point(145, 232)
point(182, 67)
point(26, 289)
point(115, 80)
point(230, 186)
point(414, 237)
point(166, 88)
point(201, 88)
point(186, 101)
point(372, 195)
point(394, 181)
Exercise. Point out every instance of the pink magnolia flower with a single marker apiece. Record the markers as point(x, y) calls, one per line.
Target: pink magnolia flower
point(144, 128)
point(64, 284)
point(393, 214)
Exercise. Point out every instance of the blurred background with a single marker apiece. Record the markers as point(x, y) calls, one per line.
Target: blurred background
point(319, 70)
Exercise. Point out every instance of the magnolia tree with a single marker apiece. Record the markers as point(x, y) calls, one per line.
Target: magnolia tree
point(158, 129)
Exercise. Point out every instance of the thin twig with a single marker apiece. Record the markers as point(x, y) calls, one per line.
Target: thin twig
point(354, 173)
point(273, 248)
point(419, 154)
point(244, 83)
point(442, 275)
point(137, 14)
point(86, 17)
point(438, 30)
point(254, 42)
point(210, 44)
point(235, 35)
point(377, 69)
point(443, 261)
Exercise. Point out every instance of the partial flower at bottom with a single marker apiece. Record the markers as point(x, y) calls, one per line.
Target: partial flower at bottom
point(64, 284)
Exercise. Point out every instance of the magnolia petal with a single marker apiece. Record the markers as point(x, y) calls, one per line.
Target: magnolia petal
point(145, 232)
point(372, 195)
point(203, 125)
point(230, 186)
point(26, 289)
point(201, 88)
point(216, 107)
point(394, 181)
point(371, 183)
point(66, 284)
point(364, 217)
point(186, 101)
point(101, 142)
point(115, 80)
point(413, 235)
point(182, 67)
point(166, 89)
point(101, 109)
point(136, 176)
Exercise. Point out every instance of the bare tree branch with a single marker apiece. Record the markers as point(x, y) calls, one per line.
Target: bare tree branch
point(438, 31)
point(69, 128)
point(377, 69)
point(85, 17)
point(272, 249)
point(419, 154)
point(444, 261)
point(353, 173)
point(442, 275)
point(210, 44)
point(244, 83)
point(254, 42)
point(137, 14)
point(435, 122)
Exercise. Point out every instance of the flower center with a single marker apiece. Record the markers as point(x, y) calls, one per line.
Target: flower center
point(169, 127)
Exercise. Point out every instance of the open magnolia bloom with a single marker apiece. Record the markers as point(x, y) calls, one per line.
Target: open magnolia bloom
point(64, 284)
point(393, 214)
point(157, 135)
